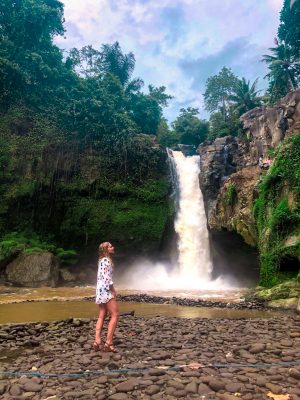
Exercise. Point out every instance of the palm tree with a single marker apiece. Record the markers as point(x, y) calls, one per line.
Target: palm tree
point(115, 62)
point(245, 96)
point(284, 70)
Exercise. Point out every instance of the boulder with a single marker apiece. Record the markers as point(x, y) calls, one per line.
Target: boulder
point(33, 270)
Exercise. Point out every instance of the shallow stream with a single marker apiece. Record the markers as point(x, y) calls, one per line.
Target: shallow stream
point(19, 305)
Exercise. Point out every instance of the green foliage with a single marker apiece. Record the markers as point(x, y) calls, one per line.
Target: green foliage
point(76, 136)
point(289, 28)
point(231, 194)
point(284, 71)
point(245, 96)
point(220, 128)
point(189, 128)
point(218, 90)
point(278, 214)
point(227, 97)
point(165, 136)
point(16, 243)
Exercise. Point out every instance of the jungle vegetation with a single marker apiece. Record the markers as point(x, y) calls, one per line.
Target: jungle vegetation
point(79, 160)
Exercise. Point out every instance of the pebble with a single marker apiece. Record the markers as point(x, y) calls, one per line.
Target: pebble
point(153, 348)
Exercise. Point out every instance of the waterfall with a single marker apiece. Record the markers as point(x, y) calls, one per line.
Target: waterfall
point(194, 263)
point(192, 272)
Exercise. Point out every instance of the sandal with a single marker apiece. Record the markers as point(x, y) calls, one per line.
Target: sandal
point(109, 348)
point(97, 346)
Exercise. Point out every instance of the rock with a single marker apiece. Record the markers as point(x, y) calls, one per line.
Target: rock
point(276, 389)
point(126, 386)
point(294, 373)
point(3, 387)
point(192, 387)
point(32, 387)
point(156, 372)
point(291, 303)
point(203, 389)
point(118, 396)
point(33, 270)
point(15, 390)
point(216, 384)
point(152, 389)
point(233, 387)
point(226, 396)
point(257, 348)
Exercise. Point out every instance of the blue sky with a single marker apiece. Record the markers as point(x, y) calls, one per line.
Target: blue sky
point(179, 43)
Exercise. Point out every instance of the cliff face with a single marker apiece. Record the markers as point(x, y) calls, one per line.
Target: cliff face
point(229, 162)
point(79, 197)
point(266, 127)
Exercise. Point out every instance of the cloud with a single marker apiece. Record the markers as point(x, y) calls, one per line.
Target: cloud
point(178, 43)
point(239, 54)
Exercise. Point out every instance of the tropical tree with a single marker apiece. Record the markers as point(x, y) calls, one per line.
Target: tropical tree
point(189, 127)
point(245, 96)
point(218, 90)
point(114, 61)
point(289, 28)
point(284, 71)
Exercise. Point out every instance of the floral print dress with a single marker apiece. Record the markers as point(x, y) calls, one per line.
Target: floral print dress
point(104, 281)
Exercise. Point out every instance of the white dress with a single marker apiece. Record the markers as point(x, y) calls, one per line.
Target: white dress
point(104, 281)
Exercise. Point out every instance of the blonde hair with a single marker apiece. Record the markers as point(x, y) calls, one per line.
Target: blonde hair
point(103, 250)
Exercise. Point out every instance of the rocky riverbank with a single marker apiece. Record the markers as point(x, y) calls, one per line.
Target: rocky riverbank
point(145, 298)
point(159, 358)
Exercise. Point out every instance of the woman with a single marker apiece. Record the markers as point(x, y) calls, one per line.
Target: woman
point(106, 298)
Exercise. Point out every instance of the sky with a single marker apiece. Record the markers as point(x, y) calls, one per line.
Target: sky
point(179, 43)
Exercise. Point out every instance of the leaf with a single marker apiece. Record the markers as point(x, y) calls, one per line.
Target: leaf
point(278, 396)
point(194, 365)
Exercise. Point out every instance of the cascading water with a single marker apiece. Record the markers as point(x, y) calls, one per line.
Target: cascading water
point(194, 263)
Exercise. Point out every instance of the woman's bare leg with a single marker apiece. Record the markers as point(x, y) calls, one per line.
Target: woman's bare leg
point(100, 322)
point(113, 309)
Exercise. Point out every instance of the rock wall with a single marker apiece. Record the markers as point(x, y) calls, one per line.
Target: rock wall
point(266, 127)
point(229, 164)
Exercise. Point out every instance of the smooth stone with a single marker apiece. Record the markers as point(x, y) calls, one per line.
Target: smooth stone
point(294, 373)
point(276, 389)
point(156, 372)
point(118, 396)
point(3, 387)
point(226, 396)
point(32, 387)
point(192, 387)
point(152, 389)
point(257, 348)
point(179, 393)
point(261, 381)
point(203, 389)
point(15, 390)
point(175, 384)
point(233, 387)
point(126, 386)
point(216, 384)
